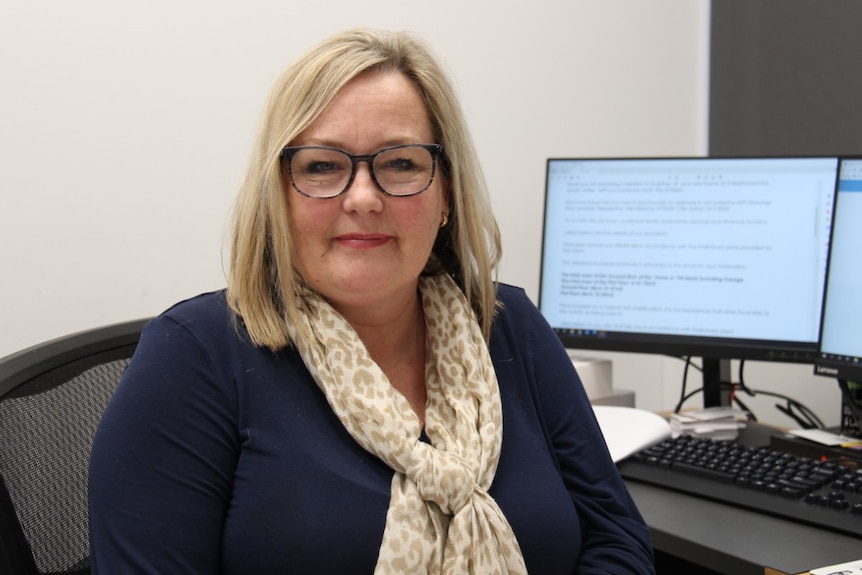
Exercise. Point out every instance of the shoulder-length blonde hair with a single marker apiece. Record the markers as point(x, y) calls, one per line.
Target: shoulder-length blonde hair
point(263, 281)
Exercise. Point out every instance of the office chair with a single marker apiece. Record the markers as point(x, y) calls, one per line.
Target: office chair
point(52, 396)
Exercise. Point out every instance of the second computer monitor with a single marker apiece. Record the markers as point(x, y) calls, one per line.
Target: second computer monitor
point(841, 337)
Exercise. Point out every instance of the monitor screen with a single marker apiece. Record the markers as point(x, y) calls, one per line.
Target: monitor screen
point(722, 258)
point(841, 330)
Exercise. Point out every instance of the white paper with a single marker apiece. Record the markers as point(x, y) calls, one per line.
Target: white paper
point(627, 430)
point(824, 437)
point(851, 568)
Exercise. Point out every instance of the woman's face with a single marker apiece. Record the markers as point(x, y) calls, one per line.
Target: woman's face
point(363, 247)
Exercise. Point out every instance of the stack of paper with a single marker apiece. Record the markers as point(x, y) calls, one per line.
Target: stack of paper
point(722, 423)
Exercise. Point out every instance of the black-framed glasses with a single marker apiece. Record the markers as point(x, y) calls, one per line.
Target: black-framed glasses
point(322, 172)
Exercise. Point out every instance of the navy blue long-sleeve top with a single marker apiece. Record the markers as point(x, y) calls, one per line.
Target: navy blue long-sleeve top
point(216, 456)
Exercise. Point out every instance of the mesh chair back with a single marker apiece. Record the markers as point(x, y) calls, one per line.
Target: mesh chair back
point(52, 397)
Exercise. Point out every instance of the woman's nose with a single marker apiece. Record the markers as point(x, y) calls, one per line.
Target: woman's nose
point(363, 194)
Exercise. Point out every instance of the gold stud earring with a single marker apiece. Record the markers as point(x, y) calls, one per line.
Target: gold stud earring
point(444, 220)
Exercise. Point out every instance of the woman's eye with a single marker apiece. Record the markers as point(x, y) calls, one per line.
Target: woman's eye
point(402, 165)
point(320, 167)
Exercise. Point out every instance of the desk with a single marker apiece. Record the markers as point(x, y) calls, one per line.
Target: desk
point(736, 541)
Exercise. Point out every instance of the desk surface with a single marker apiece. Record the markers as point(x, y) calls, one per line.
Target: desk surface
point(736, 541)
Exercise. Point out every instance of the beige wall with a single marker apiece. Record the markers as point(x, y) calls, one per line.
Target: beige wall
point(125, 128)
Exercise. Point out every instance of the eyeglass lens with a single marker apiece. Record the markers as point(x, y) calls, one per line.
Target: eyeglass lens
point(326, 172)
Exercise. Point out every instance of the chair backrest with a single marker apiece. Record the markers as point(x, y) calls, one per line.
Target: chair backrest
point(52, 396)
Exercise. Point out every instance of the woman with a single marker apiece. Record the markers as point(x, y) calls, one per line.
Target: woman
point(362, 397)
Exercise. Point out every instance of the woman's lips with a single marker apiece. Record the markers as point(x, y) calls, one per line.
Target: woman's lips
point(363, 240)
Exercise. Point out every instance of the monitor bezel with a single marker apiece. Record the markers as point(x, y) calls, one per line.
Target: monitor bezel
point(830, 367)
point(830, 364)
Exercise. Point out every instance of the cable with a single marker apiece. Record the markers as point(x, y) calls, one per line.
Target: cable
point(793, 409)
point(850, 402)
point(682, 395)
point(741, 385)
point(805, 422)
point(686, 398)
point(748, 413)
point(741, 379)
point(803, 416)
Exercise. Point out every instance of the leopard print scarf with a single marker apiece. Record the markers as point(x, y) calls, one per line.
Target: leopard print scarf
point(441, 518)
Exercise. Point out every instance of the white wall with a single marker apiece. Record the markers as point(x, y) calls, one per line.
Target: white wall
point(125, 128)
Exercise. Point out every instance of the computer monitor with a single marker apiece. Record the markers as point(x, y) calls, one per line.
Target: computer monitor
point(719, 258)
point(841, 330)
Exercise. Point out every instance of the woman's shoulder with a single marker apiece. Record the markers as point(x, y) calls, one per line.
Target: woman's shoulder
point(517, 317)
point(514, 301)
point(207, 306)
point(520, 323)
point(206, 316)
point(509, 293)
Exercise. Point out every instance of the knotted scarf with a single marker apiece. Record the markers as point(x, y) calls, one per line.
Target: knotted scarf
point(440, 518)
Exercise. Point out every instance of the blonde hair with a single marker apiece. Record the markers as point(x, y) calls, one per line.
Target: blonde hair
point(263, 282)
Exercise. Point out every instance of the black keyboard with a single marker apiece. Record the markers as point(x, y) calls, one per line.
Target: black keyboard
point(826, 494)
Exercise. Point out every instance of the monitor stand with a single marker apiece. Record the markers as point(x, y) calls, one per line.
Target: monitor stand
point(716, 382)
